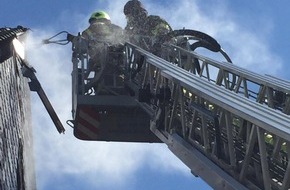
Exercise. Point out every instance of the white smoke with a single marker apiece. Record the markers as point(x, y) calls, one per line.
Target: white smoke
point(100, 163)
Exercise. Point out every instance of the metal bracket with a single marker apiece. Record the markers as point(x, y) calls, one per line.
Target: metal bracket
point(35, 86)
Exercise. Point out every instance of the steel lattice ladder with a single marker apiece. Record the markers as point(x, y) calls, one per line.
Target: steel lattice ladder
point(228, 125)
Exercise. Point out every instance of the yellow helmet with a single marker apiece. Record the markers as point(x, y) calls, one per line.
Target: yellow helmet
point(100, 15)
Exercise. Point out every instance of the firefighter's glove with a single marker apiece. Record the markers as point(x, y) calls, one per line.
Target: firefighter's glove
point(70, 37)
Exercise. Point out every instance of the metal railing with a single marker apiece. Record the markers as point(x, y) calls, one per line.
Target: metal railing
point(264, 89)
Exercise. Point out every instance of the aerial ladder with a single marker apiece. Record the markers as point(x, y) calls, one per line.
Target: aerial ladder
point(229, 125)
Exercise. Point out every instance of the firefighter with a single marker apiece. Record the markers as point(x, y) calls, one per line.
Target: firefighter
point(100, 35)
point(146, 31)
point(101, 28)
point(139, 23)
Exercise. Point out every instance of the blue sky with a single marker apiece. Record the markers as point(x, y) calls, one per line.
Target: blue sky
point(254, 33)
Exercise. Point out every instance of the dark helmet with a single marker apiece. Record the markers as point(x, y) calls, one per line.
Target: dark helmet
point(135, 8)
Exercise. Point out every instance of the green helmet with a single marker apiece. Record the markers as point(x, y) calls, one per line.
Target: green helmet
point(100, 15)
